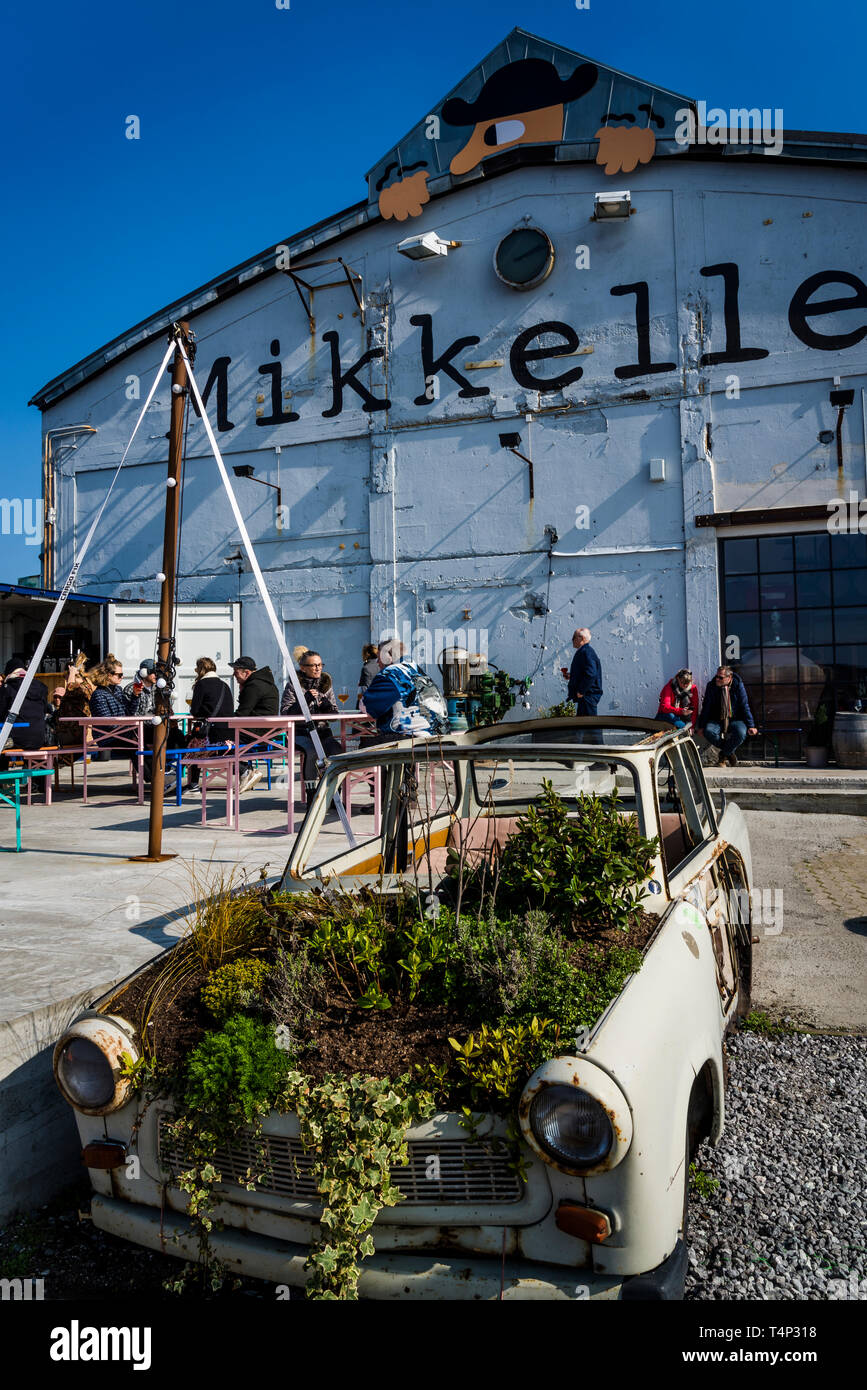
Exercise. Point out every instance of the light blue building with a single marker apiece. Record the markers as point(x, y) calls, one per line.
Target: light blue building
point(569, 362)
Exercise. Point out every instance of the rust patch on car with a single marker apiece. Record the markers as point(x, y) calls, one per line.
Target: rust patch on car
point(691, 942)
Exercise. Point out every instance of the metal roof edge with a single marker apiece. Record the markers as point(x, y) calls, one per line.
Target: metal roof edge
point(25, 591)
point(329, 229)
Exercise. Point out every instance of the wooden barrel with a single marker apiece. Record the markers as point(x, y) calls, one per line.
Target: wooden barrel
point(850, 739)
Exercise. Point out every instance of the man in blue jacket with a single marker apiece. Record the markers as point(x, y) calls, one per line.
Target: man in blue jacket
point(585, 681)
point(726, 717)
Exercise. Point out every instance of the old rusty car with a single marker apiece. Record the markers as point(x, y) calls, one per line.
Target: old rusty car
point(607, 1129)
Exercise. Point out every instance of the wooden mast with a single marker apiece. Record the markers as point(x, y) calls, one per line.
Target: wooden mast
point(165, 659)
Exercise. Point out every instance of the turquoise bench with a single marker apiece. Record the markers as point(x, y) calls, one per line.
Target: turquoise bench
point(16, 776)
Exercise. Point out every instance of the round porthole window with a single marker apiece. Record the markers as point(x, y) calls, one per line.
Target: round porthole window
point(524, 258)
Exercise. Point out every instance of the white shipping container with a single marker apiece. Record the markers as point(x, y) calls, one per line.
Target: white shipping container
point(202, 629)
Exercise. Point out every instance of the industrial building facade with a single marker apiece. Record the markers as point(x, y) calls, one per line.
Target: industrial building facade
point(592, 387)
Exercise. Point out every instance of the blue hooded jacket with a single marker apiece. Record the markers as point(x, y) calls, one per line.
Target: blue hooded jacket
point(393, 683)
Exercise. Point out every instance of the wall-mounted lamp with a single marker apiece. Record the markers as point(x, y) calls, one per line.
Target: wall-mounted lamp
point(612, 207)
point(840, 399)
point(425, 246)
point(245, 470)
point(510, 442)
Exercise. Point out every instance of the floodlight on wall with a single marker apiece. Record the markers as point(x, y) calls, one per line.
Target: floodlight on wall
point(612, 207)
point(245, 470)
point(425, 246)
point(511, 442)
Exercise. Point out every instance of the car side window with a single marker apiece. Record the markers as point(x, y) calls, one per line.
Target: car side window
point(683, 820)
point(700, 793)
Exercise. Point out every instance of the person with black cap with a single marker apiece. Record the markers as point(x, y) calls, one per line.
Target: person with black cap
point(258, 697)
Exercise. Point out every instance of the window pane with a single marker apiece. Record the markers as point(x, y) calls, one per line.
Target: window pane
point(782, 704)
point(775, 553)
point(744, 626)
point(777, 591)
point(848, 551)
point(742, 593)
point(812, 552)
point(778, 628)
point(814, 589)
point(850, 586)
point(780, 665)
point(810, 697)
point(740, 556)
point(850, 625)
point(851, 661)
point(814, 625)
point(821, 657)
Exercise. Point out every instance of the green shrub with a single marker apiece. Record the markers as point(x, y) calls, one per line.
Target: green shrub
point(235, 987)
point(586, 865)
point(235, 1074)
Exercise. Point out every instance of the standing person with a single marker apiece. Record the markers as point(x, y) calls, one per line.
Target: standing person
point(258, 697)
point(32, 713)
point(678, 701)
point(726, 717)
point(369, 669)
point(211, 699)
point(319, 693)
point(585, 683)
point(403, 699)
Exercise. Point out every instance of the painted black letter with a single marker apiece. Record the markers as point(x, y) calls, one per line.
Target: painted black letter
point(430, 365)
point(732, 352)
point(521, 354)
point(219, 373)
point(278, 415)
point(339, 379)
point(644, 366)
point(801, 309)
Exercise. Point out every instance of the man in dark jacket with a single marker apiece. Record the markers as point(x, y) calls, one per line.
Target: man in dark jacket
point(257, 698)
point(32, 712)
point(726, 717)
point(585, 682)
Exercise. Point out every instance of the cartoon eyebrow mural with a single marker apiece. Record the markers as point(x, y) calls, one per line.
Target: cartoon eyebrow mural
point(522, 103)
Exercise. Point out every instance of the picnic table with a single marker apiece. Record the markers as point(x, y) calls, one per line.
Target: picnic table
point(16, 776)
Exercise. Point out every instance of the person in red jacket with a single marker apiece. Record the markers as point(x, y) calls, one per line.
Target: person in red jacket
point(678, 701)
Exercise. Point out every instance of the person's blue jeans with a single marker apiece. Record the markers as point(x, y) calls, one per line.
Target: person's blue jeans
point(666, 717)
point(733, 739)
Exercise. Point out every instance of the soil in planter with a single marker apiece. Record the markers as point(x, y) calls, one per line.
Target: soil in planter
point(344, 1039)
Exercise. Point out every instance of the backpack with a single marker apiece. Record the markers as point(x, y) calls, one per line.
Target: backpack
point(423, 709)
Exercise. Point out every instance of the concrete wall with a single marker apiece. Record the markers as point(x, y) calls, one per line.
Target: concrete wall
point(415, 513)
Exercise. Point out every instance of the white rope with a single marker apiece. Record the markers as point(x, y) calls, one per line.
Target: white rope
point(73, 573)
point(263, 592)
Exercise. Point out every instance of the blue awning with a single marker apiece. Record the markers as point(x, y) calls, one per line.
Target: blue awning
point(24, 591)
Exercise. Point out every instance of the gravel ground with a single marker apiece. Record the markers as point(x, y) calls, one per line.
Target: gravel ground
point(788, 1219)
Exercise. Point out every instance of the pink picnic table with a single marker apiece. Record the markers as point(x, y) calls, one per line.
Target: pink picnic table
point(111, 735)
point(259, 739)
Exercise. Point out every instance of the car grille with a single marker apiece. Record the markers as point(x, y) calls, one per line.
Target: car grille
point(451, 1172)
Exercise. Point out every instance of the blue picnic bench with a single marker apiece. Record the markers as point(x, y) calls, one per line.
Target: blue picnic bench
point(16, 776)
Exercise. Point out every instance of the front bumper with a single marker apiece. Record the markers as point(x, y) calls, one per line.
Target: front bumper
point(441, 1275)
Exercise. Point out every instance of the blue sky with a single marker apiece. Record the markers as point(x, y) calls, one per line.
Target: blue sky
point(257, 121)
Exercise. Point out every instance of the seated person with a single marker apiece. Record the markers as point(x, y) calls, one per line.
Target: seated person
point(319, 694)
point(32, 712)
point(392, 698)
point(73, 700)
point(726, 717)
point(211, 698)
point(678, 701)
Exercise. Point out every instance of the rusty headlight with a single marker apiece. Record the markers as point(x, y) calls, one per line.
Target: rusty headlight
point(571, 1126)
point(575, 1116)
point(88, 1063)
